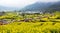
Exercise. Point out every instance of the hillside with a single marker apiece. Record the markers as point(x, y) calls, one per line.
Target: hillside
point(55, 6)
point(41, 6)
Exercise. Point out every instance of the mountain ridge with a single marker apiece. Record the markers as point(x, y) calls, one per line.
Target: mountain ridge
point(44, 7)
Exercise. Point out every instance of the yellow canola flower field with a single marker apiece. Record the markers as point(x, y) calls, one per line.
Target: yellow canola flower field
point(29, 27)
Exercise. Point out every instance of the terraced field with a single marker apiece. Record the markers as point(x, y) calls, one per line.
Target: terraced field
point(33, 23)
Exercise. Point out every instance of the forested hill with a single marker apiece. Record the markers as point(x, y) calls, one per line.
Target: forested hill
point(55, 6)
point(41, 6)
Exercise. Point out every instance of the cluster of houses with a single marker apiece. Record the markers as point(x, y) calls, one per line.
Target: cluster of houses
point(30, 12)
point(26, 20)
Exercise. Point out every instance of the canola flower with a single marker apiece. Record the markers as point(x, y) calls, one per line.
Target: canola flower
point(27, 27)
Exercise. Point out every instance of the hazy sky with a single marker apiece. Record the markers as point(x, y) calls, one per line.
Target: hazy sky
point(21, 3)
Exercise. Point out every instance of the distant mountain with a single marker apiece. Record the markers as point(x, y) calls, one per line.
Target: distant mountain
point(55, 6)
point(37, 6)
point(42, 6)
point(8, 8)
